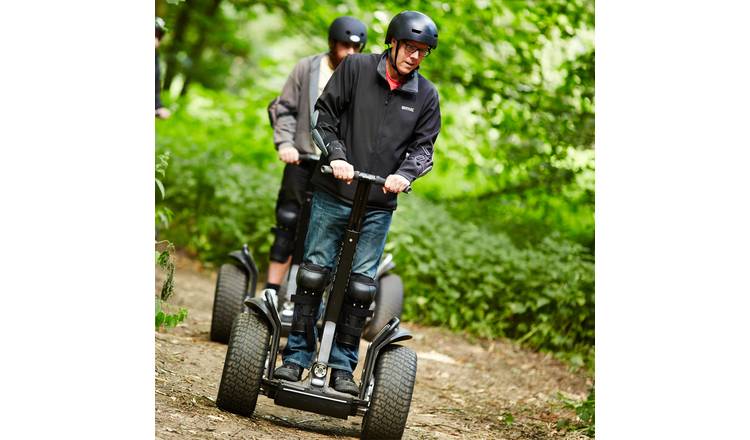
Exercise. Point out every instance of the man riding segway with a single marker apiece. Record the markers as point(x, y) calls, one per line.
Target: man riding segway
point(389, 130)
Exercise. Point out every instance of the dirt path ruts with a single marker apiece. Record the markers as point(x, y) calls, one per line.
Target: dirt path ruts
point(466, 388)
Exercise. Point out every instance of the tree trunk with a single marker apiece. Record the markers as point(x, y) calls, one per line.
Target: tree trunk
point(197, 50)
point(178, 43)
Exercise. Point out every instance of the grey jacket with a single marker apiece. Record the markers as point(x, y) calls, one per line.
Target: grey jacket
point(296, 104)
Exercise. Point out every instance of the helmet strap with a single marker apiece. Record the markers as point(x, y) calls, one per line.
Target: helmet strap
point(392, 59)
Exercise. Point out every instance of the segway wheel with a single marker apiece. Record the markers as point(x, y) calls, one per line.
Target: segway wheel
point(389, 301)
point(243, 366)
point(231, 285)
point(395, 373)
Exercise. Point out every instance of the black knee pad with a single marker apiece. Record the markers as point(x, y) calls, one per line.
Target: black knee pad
point(286, 225)
point(361, 290)
point(311, 282)
point(286, 216)
point(312, 277)
point(356, 309)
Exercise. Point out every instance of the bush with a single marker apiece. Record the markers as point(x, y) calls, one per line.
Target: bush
point(223, 175)
point(458, 275)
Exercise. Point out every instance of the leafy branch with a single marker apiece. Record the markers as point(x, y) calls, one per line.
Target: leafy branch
point(165, 258)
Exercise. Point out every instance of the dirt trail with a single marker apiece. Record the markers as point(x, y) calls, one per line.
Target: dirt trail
point(466, 388)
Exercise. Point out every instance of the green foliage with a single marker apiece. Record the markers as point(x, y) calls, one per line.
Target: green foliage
point(585, 412)
point(516, 81)
point(460, 275)
point(165, 261)
point(224, 174)
point(163, 318)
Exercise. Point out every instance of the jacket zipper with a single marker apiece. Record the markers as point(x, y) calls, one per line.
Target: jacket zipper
point(388, 97)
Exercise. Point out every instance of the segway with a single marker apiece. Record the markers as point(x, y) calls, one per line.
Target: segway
point(389, 372)
point(237, 280)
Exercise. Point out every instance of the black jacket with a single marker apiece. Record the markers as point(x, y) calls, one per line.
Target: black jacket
point(377, 130)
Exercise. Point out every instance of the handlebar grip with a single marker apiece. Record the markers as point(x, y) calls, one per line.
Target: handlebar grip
point(370, 177)
point(309, 157)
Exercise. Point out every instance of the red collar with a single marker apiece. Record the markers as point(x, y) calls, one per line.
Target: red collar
point(392, 83)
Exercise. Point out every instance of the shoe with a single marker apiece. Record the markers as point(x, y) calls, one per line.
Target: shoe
point(343, 382)
point(288, 371)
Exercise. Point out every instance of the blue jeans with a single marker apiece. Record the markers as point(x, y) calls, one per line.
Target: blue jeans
point(328, 219)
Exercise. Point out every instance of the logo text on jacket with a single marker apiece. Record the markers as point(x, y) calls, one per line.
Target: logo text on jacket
point(409, 109)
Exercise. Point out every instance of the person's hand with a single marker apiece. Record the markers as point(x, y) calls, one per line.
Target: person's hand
point(289, 154)
point(343, 170)
point(395, 183)
point(163, 113)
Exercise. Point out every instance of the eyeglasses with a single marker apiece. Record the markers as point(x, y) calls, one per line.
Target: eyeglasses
point(410, 49)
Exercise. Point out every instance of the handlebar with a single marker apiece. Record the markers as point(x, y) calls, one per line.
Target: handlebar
point(305, 157)
point(359, 175)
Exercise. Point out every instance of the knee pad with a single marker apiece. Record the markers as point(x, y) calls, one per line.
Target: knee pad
point(286, 216)
point(286, 224)
point(361, 290)
point(311, 282)
point(356, 309)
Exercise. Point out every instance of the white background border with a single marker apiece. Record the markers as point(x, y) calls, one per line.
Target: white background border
point(76, 166)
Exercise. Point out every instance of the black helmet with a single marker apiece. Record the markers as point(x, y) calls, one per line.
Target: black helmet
point(348, 30)
point(161, 27)
point(413, 25)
